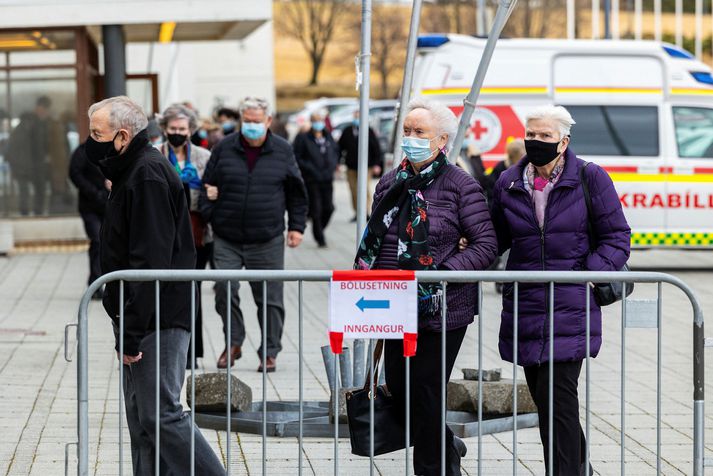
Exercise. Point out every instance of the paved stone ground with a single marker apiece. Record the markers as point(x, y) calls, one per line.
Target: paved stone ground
point(39, 293)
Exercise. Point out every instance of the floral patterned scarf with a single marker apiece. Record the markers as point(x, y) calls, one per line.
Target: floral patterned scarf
point(404, 201)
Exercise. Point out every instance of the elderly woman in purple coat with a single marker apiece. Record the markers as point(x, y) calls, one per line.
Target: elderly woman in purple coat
point(540, 215)
point(421, 210)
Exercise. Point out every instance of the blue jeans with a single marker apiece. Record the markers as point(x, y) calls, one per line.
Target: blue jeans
point(141, 412)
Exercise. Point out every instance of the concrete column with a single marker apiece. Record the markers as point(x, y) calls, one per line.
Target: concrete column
point(114, 60)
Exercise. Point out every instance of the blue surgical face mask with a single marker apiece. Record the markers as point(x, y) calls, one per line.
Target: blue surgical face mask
point(203, 134)
point(355, 122)
point(253, 130)
point(228, 127)
point(416, 149)
point(318, 126)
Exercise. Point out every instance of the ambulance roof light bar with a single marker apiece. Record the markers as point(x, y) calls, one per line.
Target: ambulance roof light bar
point(676, 52)
point(432, 41)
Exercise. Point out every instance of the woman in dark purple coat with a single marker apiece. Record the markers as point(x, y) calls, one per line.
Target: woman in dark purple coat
point(540, 215)
point(421, 210)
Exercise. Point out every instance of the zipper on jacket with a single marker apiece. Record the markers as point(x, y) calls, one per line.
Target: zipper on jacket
point(245, 200)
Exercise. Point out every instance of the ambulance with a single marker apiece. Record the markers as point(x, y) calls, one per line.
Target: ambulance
point(644, 112)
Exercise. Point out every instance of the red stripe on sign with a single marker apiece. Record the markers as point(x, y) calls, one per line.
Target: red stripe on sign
point(622, 169)
point(410, 344)
point(374, 275)
point(335, 342)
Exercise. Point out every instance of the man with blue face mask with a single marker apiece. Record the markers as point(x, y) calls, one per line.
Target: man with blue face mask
point(317, 155)
point(251, 180)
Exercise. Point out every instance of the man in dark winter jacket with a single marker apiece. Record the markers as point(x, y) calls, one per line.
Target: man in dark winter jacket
point(147, 226)
point(250, 181)
point(317, 155)
point(93, 193)
point(349, 148)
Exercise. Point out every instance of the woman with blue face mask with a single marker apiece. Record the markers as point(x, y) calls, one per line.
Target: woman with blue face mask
point(420, 211)
point(317, 155)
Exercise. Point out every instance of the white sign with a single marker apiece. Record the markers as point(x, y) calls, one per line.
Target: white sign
point(375, 308)
point(485, 129)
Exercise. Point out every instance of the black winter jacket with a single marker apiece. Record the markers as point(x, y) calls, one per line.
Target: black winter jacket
point(89, 181)
point(349, 147)
point(317, 162)
point(251, 205)
point(146, 226)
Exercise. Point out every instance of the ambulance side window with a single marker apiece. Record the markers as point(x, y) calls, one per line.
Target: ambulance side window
point(694, 132)
point(615, 130)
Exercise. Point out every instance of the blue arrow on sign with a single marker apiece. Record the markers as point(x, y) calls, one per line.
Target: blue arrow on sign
point(372, 304)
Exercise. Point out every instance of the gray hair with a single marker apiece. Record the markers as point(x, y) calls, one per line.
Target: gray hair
point(444, 118)
point(557, 114)
point(179, 111)
point(123, 114)
point(252, 102)
point(321, 112)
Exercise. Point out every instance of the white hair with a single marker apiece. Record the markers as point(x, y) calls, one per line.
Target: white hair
point(557, 114)
point(123, 114)
point(252, 102)
point(445, 120)
point(321, 112)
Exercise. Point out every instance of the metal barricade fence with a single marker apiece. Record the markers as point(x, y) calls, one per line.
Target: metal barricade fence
point(443, 277)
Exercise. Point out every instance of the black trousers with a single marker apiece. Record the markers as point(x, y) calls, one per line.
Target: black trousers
point(92, 226)
point(321, 207)
point(204, 256)
point(569, 445)
point(425, 395)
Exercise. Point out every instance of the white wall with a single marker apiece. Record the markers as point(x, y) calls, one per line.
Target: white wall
point(211, 72)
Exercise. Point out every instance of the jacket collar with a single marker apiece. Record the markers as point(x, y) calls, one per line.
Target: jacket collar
point(113, 167)
point(267, 146)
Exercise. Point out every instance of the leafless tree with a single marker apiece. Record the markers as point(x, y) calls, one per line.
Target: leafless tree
point(312, 22)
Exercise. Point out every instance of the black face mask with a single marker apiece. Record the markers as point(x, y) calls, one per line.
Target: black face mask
point(541, 153)
point(97, 151)
point(176, 140)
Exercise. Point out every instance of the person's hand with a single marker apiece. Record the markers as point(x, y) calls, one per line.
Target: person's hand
point(107, 184)
point(462, 244)
point(211, 191)
point(375, 171)
point(130, 359)
point(294, 238)
point(473, 150)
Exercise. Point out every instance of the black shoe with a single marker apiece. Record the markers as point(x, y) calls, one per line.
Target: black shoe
point(322, 244)
point(460, 447)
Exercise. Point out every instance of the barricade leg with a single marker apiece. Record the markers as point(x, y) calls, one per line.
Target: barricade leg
point(157, 448)
point(228, 373)
point(300, 374)
point(193, 378)
point(516, 315)
point(587, 300)
point(121, 378)
point(444, 310)
point(480, 378)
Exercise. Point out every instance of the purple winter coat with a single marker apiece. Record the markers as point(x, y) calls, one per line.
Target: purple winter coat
point(563, 245)
point(456, 208)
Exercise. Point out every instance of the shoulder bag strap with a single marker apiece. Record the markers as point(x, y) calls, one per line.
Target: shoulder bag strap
point(378, 349)
point(588, 202)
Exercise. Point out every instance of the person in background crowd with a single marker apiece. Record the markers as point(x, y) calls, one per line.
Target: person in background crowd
point(178, 123)
point(155, 134)
point(147, 226)
point(251, 180)
point(349, 149)
point(317, 156)
point(278, 126)
point(540, 215)
point(421, 208)
point(514, 151)
point(475, 162)
point(228, 119)
point(93, 194)
point(27, 152)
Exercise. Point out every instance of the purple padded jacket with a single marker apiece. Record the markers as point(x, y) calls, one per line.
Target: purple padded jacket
point(562, 245)
point(456, 208)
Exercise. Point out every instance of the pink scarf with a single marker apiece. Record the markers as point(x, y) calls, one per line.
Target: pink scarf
point(540, 188)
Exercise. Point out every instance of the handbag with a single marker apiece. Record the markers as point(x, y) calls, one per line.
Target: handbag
point(604, 293)
point(389, 432)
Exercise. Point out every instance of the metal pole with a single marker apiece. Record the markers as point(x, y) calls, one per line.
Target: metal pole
point(550, 383)
point(607, 19)
point(615, 33)
point(699, 29)
point(193, 377)
point(638, 12)
point(595, 19)
point(501, 17)
point(571, 20)
point(588, 324)
point(365, 75)
point(657, 20)
point(228, 374)
point(407, 83)
point(516, 318)
point(623, 384)
point(114, 60)
point(444, 310)
point(480, 19)
point(679, 23)
point(121, 378)
point(264, 378)
point(659, 363)
point(480, 377)
point(157, 436)
point(301, 370)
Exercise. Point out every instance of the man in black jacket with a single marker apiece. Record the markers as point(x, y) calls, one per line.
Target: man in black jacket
point(318, 155)
point(250, 181)
point(349, 148)
point(147, 226)
point(93, 193)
